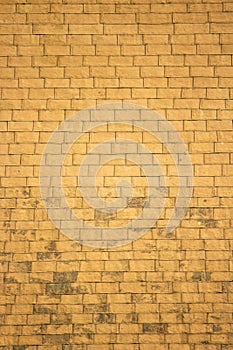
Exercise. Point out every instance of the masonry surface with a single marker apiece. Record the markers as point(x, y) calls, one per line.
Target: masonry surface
point(160, 292)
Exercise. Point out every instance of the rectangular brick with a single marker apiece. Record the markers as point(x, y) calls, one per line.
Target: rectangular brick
point(153, 18)
point(190, 18)
point(15, 29)
point(82, 18)
point(155, 29)
point(120, 29)
point(221, 28)
point(117, 18)
point(86, 29)
point(188, 28)
point(50, 29)
point(51, 18)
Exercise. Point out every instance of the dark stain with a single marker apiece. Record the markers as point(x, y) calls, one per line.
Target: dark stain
point(114, 276)
point(79, 290)
point(210, 223)
point(52, 246)
point(26, 193)
point(130, 318)
point(134, 317)
point(102, 216)
point(158, 328)
point(23, 266)
point(37, 309)
point(226, 286)
point(48, 256)
point(60, 288)
point(7, 224)
point(104, 318)
point(10, 279)
point(39, 280)
point(61, 318)
point(217, 328)
point(137, 202)
point(56, 339)
point(201, 213)
point(65, 277)
point(95, 308)
point(201, 276)
point(180, 317)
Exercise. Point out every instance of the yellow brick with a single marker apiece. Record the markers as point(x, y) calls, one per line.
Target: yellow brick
point(144, 93)
point(184, 39)
point(92, 93)
point(168, 8)
point(19, 171)
point(151, 338)
point(78, 39)
point(120, 61)
point(30, 339)
point(98, 8)
point(46, 61)
point(118, 93)
point(133, 287)
point(107, 50)
point(7, 8)
point(8, 83)
point(96, 61)
point(43, 93)
point(188, 28)
point(179, 82)
point(7, 73)
point(155, 29)
point(205, 82)
point(221, 28)
point(132, 8)
point(86, 29)
point(120, 29)
point(66, 8)
point(196, 60)
point(153, 18)
point(107, 287)
point(183, 49)
point(50, 29)
point(129, 39)
point(131, 50)
point(100, 72)
point(71, 56)
point(196, 7)
point(56, 82)
point(57, 50)
point(27, 73)
point(176, 71)
point(51, 18)
point(82, 18)
point(208, 49)
point(207, 38)
point(190, 18)
point(152, 72)
point(171, 60)
point(14, 93)
point(33, 8)
point(117, 18)
point(146, 265)
point(15, 29)
point(131, 82)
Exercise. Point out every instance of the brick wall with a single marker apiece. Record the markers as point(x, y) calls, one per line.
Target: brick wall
point(160, 292)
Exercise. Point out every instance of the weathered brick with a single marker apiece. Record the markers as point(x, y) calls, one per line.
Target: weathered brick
point(163, 291)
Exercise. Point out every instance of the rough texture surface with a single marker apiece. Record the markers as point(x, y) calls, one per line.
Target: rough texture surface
point(161, 292)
